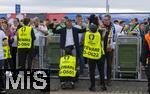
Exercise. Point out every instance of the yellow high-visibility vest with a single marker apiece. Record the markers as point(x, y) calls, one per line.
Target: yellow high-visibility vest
point(92, 45)
point(6, 50)
point(7, 53)
point(24, 37)
point(67, 66)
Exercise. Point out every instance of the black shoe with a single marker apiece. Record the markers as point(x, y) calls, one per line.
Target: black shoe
point(2, 91)
point(63, 86)
point(93, 89)
point(148, 90)
point(103, 88)
point(72, 85)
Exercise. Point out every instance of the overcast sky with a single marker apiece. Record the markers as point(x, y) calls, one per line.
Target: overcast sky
point(74, 5)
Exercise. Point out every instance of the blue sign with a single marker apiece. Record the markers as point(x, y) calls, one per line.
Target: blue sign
point(17, 8)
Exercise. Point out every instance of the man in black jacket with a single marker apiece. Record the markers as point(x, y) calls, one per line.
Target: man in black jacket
point(69, 36)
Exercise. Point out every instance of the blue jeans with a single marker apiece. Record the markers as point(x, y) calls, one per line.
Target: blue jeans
point(81, 60)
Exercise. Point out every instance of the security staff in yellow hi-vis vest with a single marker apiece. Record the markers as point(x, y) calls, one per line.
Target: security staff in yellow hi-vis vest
point(24, 35)
point(7, 54)
point(26, 39)
point(94, 53)
point(6, 49)
point(67, 66)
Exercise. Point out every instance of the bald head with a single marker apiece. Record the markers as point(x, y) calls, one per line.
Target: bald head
point(36, 21)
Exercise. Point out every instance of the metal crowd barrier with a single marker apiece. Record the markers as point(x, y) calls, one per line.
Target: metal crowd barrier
point(126, 62)
point(127, 58)
point(49, 53)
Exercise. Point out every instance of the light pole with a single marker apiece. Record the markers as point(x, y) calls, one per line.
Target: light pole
point(107, 6)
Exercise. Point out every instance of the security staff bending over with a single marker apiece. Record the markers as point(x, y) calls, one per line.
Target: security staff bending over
point(67, 72)
point(94, 52)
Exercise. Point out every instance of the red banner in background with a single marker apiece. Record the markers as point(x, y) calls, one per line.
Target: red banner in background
point(57, 16)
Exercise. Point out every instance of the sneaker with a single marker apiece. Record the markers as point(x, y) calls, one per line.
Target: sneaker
point(72, 85)
point(97, 76)
point(63, 86)
point(8, 74)
point(2, 91)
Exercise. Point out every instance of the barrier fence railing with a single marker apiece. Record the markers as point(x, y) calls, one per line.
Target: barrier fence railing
point(49, 52)
point(127, 57)
point(126, 61)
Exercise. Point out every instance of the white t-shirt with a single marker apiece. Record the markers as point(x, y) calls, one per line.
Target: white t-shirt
point(69, 37)
point(38, 34)
point(14, 44)
point(13, 30)
point(2, 36)
point(118, 29)
point(80, 34)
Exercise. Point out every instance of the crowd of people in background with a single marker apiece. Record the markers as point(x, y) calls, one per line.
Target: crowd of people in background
point(72, 33)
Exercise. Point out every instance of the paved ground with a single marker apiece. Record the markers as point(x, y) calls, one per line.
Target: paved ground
point(26, 92)
point(118, 87)
point(86, 92)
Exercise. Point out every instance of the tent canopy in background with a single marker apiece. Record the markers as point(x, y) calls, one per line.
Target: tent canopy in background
point(75, 6)
point(56, 9)
point(120, 16)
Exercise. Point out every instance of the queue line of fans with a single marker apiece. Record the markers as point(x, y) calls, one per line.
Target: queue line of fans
point(91, 43)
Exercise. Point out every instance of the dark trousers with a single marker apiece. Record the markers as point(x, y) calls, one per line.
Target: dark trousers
point(2, 78)
point(25, 55)
point(92, 67)
point(13, 54)
point(67, 79)
point(147, 71)
point(109, 61)
point(81, 60)
point(8, 63)
point(36, 52)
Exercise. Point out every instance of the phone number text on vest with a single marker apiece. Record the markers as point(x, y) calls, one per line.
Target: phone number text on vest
point(94, 52)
